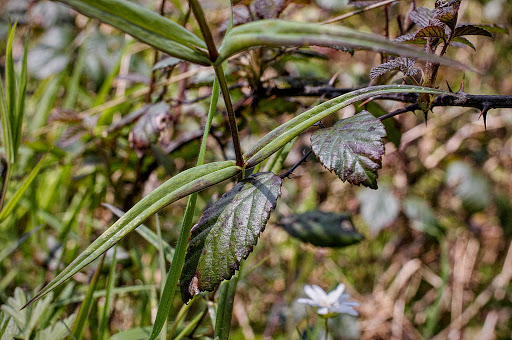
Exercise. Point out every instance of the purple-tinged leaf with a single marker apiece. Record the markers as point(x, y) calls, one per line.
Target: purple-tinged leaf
point(353, 148)
point(404, 65)
point(410, 38)
point(431, 32)
point(448, 14)
point(471, 30)
point(494, 28)
point(227, 232)
point(421, 17)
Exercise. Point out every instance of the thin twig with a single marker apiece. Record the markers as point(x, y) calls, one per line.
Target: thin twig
point(367, 8)
point(292, 169)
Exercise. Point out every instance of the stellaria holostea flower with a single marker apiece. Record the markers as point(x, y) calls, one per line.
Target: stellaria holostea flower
point(329, 304)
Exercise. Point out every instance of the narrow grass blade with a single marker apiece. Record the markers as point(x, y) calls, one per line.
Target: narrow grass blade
point(191, 325)
point(85, 308)
point(280, 33)
point(147, 26)
point(179, 186)
point(7, 100)
point(281, 135)
point(111, 282)
point(163, 272)
point(179, 259)
point(22, 92)
point(11, 247)
point(146, 233)
point(9, 207)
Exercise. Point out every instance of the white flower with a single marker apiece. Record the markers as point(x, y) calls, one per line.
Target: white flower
point(329, 304)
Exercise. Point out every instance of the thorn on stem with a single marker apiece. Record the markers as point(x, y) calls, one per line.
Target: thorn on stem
point(484, 112)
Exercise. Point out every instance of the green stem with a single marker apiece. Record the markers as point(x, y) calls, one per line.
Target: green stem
point(225, 307)
point(6, 184)
point(326, 328)
point(179, 254)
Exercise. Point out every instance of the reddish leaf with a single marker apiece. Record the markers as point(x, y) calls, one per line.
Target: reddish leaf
point(431, 32)
point(471, 30)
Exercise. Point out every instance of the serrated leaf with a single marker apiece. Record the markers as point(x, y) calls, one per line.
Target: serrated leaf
point(8, 328)
point(284, 133)
point(281, 33)
point(379, 208)
point(471, 30)
point(227, 232)
point(405, 65)
point(447, 13)
point(431, 32)
point(322, 229)
point(183, 184)
point(353, 148)
point(410, 38)
point(26, 320)
point(494, 28)
point(462, 40)
point(421, 16)
point(393, 126)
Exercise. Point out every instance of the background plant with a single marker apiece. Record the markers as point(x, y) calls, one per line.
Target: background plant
point(96, 144)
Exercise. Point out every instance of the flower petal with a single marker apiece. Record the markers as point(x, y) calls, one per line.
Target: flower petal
point(320, 295)
point(308, 302)
point(345, 310)
point(337, 293)
point(323, 310)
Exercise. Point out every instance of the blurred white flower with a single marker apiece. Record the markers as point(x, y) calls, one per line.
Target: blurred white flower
point(329, 304)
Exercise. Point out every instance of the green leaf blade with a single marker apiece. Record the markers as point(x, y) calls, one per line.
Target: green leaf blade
point(145, 25)
point(227, 231)
point(281, 135)
point(179, 186)
point(279, 33)
point(353, 148)
point(9, 207)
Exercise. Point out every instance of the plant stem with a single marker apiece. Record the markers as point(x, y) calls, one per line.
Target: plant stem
point(326, 328)
point(219, 71)
point(6, 184)
point(225, 307)
point(205, 30)
point(179, 254)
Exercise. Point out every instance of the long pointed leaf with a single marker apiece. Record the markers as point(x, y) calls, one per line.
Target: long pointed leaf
point(22, 91)
point(185, 183)
point(145, 25)
point(281, 135)
point(9, 207)
point(85, 308)
point(279, 33)
point(148, 234)
point(7, 99)
point(227, 232)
